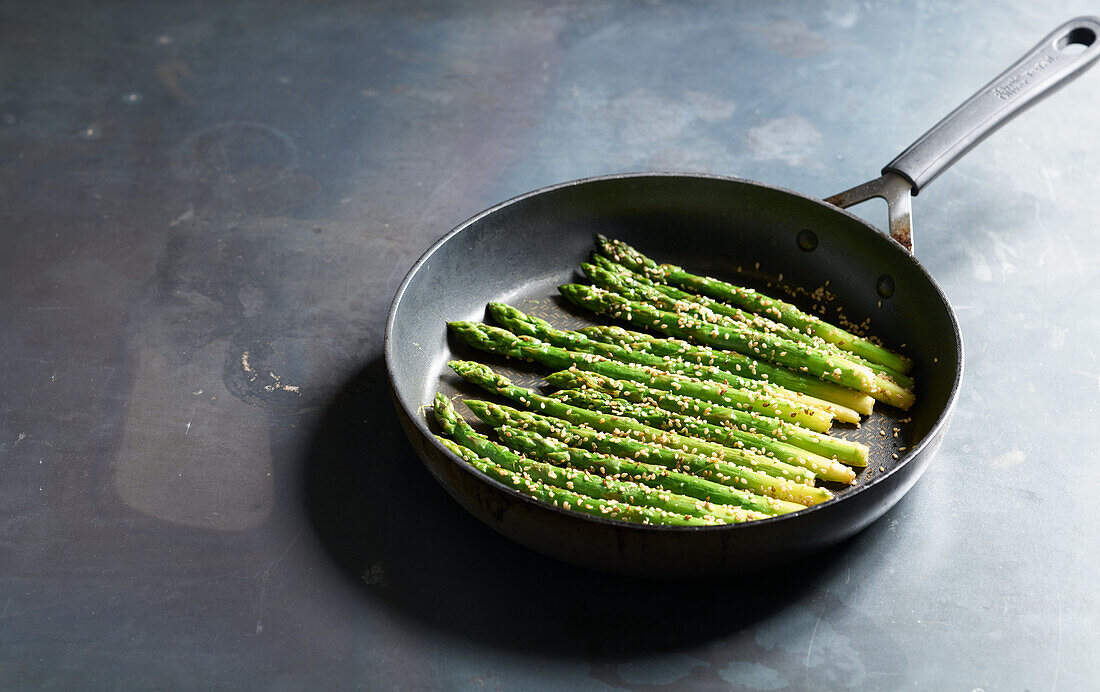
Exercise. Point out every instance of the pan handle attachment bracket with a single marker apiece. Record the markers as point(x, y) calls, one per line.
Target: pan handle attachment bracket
point(897, 191)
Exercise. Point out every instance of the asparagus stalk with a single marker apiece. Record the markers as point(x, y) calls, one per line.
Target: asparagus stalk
point(737, 338)
point(567, 499)
point(617, 425)
point(734, 362)
point(496, 340)
point(621, 279)
point(655, 417)
point(744, 325)
point(615, 277)
point(752, 300)
point(535, 446)
point(783, 493)
point(731, 336)
point(851, 453)
point(576, 481)
point(518, 322)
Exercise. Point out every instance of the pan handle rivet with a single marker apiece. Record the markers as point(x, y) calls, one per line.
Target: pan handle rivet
point(885, 285)
point(807, 240)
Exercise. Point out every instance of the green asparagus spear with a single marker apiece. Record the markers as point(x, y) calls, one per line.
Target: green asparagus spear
point(618, 278)
point(782, 491)
point(518, 322)
point(851, 453)
point(734, 337)
point(567, 499)
point(534, 446)
point(730, 336)
point(614, 277)
point(496, 340)
point(734, 362)
point(655, 417)
point(576, 481)
point(752, 300)
point(744, 326)
point(621, 279)
point(484, 377)
point(528, 441)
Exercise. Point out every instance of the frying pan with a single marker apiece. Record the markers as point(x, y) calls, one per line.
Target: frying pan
point(749, 232)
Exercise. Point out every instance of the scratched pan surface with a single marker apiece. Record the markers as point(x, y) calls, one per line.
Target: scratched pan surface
point(521, 250)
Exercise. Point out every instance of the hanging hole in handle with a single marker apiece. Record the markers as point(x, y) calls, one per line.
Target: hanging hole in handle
point(1077, 41)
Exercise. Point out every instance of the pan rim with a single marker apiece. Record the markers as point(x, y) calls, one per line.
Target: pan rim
point(412, 411)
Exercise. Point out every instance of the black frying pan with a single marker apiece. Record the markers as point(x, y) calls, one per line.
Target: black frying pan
point(521, 250)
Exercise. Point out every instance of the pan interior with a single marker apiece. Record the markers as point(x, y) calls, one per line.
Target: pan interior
point(744, 232)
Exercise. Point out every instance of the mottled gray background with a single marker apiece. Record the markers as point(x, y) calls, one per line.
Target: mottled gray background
point(207, 207)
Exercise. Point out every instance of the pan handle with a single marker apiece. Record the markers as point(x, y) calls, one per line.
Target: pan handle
point(1054, 62)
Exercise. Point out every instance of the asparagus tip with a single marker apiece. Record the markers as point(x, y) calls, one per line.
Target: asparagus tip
point(463, 326)
point(445, 413)
point(466, 367)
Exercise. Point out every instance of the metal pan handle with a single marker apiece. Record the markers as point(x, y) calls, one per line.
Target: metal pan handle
point(1054, 62)
point(1049, 65)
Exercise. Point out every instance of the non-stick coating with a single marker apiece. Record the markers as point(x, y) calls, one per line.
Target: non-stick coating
point(521, 250)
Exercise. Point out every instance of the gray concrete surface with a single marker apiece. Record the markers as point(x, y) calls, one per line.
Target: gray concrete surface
point(207, 207)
